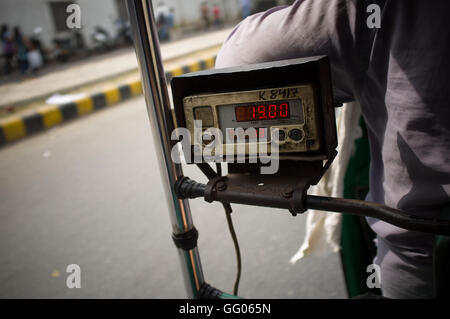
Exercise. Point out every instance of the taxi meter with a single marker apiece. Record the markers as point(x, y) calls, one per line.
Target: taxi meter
point(285, 106)
point(282, 111)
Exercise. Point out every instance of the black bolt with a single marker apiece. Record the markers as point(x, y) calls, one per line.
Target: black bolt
point(309, 143)
point(295, 134)
point(221, 186)
point(287, 192)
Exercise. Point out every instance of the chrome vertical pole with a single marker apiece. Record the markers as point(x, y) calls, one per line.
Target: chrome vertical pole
point(158, 106)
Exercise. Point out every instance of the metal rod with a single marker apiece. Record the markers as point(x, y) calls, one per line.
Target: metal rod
point(188, 188)
point(147, 48)
point(369, 209)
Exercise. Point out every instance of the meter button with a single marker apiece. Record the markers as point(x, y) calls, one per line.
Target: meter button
point(279, 135)
point(296, 134)
point(204, 114)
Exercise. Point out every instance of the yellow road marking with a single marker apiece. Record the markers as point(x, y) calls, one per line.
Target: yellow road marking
point(13, 128)
point(176, 72)
point(136, 87)
point(195, 67)
point(51, 116)
point(210, 62)
point(112, 95)
point(84, 106)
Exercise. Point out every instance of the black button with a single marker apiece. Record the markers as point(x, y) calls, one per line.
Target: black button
point(281, 135)
point(296, 134)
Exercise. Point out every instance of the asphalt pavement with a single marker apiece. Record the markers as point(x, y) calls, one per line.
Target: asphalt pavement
point(89, 193)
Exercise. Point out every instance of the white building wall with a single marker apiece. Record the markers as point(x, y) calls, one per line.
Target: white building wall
point(188, 11)
point(29, 14)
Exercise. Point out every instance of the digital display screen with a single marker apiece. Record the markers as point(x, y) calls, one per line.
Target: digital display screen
point(259, 112)
point(252, 121)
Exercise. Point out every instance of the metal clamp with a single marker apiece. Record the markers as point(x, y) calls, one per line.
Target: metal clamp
point(209, 191)
point(186, 240)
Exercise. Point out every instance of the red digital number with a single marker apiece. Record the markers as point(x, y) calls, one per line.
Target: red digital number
point(261, 112)
point(272, 111)
point(253, 115)
point(284, 112)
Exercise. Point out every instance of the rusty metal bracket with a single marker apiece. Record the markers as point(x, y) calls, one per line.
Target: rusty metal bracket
point(215, 184)
point(244, 184)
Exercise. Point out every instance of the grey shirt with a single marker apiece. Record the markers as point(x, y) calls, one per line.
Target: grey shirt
point(399, 74)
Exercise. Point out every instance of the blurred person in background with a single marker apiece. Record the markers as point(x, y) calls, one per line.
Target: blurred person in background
point(79, 40)
point(171, 18)
point(21, 50)
point(162, 14)
point(217, 15)
point(8, 49)
point(204, 11)
point(245, 8)
point(35, 41)
point(34, 57)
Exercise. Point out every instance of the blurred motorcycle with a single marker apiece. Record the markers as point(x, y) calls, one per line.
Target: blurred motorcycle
point(123, 33)
point(68, 45)
point(101, 40)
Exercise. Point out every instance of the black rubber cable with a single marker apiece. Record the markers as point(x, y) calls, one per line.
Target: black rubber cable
point(228, 211)
point(209, 172)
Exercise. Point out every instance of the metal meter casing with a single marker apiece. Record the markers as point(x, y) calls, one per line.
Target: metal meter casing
point(309, 76)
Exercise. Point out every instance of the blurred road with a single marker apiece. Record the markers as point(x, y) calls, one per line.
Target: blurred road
point(89, 193)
